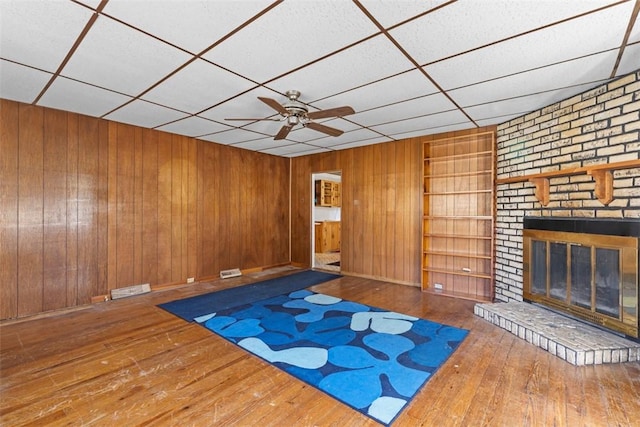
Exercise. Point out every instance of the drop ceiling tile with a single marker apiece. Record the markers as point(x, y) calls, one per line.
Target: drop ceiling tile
point(293, 150)
point(501, 111)
point(467, 25)
point(192, 25)
point(119, 58)
point(366, 62)
point(423, 124)
point(302, 153)
point(264, 144)
point(193, 126)
point(390, 13)
point(579, 37)
point(630, 60)
point(425, 105)
point(360, 134)
point(363, 142)
point(290, 35)
point(91, 3)
point(232, 136)
point(145, 114)
point(634, 37)
point(197, 87)
point(584, 70)
point(40, 33)
point(245, 105)
point(20, 83)
point(404, 86)
point(70, 95)
point(438, 129)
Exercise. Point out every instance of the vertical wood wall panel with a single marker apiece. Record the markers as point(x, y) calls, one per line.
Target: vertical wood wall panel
point(164, 208)
point(149, 239)
point(89, 205)
point(88, 180)
point(9, 123)
point(30, 210)
point(124, 209)
point(102, 195)
point(72, 210)
point(138, 203)
point(55, 210)
point(380, 209)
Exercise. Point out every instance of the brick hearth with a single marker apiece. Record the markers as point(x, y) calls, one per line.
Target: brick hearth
point(571, 340)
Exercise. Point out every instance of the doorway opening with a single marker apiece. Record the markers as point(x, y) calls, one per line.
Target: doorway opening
point(326, 209)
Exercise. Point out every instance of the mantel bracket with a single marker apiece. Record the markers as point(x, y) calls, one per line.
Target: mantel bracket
point(542, 190)
point(604, 185)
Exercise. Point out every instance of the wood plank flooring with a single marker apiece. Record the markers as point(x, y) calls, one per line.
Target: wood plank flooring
point(127, 362)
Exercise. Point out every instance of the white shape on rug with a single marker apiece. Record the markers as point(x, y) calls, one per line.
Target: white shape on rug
point(386, 322)
point(303, 357)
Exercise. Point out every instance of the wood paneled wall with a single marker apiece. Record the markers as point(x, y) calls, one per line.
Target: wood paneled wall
point(88, 205)
point(381, 209)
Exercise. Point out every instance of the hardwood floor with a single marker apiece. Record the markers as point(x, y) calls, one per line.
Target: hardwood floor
point(127, 362)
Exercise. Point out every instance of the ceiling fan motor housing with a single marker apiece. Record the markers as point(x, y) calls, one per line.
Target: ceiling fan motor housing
point(293, 106)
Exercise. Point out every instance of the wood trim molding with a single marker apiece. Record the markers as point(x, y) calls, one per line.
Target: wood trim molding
point(542, 189)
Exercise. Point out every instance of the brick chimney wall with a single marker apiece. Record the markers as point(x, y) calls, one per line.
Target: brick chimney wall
point(594, 127)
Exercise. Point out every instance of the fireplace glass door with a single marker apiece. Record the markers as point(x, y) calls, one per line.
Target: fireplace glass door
point(591, 276)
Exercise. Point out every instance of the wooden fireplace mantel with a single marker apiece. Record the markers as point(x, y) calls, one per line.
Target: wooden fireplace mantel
point(601, 174)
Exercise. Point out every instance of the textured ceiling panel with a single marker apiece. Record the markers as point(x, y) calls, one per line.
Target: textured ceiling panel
point(532, 50)
point(580, 71)
point(116, 57)
point(193, 25)
point(364, 63)
point(389, 13)
point(412, 84)
point(287, 37)
point(420, 106)
point(197, 87)
point(145, 114)
point(20, 83)
point(70, 95)
point(466, 25)
point(193, 126)
point(38, 33)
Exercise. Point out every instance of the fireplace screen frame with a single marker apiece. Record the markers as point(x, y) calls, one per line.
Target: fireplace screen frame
point(627, 320)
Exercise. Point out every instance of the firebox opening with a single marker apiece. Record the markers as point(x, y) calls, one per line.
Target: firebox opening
point(585, 268)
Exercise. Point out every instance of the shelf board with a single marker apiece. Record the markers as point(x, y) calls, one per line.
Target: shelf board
point(457, 236)
point(457, 255)
point(601, 173)
point(449, 193)
point(458, 273)
point(473, 155)
point(478, 217)
point(451, 175)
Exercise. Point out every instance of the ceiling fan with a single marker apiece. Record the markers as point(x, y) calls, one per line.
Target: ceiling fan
point(294, 112)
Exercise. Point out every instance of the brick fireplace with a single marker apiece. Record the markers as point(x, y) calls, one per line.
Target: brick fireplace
point(577, 158)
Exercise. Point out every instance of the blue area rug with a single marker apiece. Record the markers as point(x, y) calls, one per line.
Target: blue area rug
point(192, 307)
point(373, 360)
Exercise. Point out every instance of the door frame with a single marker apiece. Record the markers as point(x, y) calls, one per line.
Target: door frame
point(315, 175)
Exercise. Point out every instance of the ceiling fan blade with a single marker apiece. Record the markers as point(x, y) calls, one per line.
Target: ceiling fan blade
point(275, 105)
point(254, 119)
point(331, 112)
point(284, 131)
point(324, 129)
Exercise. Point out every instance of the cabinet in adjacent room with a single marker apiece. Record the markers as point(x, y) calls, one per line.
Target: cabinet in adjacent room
point(459, 216)
point(327, 236)
point(328, 193)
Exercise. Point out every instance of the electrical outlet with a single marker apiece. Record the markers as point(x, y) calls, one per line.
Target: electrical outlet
point(190, 279)
point(437, 285)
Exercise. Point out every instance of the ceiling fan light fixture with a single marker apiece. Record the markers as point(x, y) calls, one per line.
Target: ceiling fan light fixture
point(296, 112)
